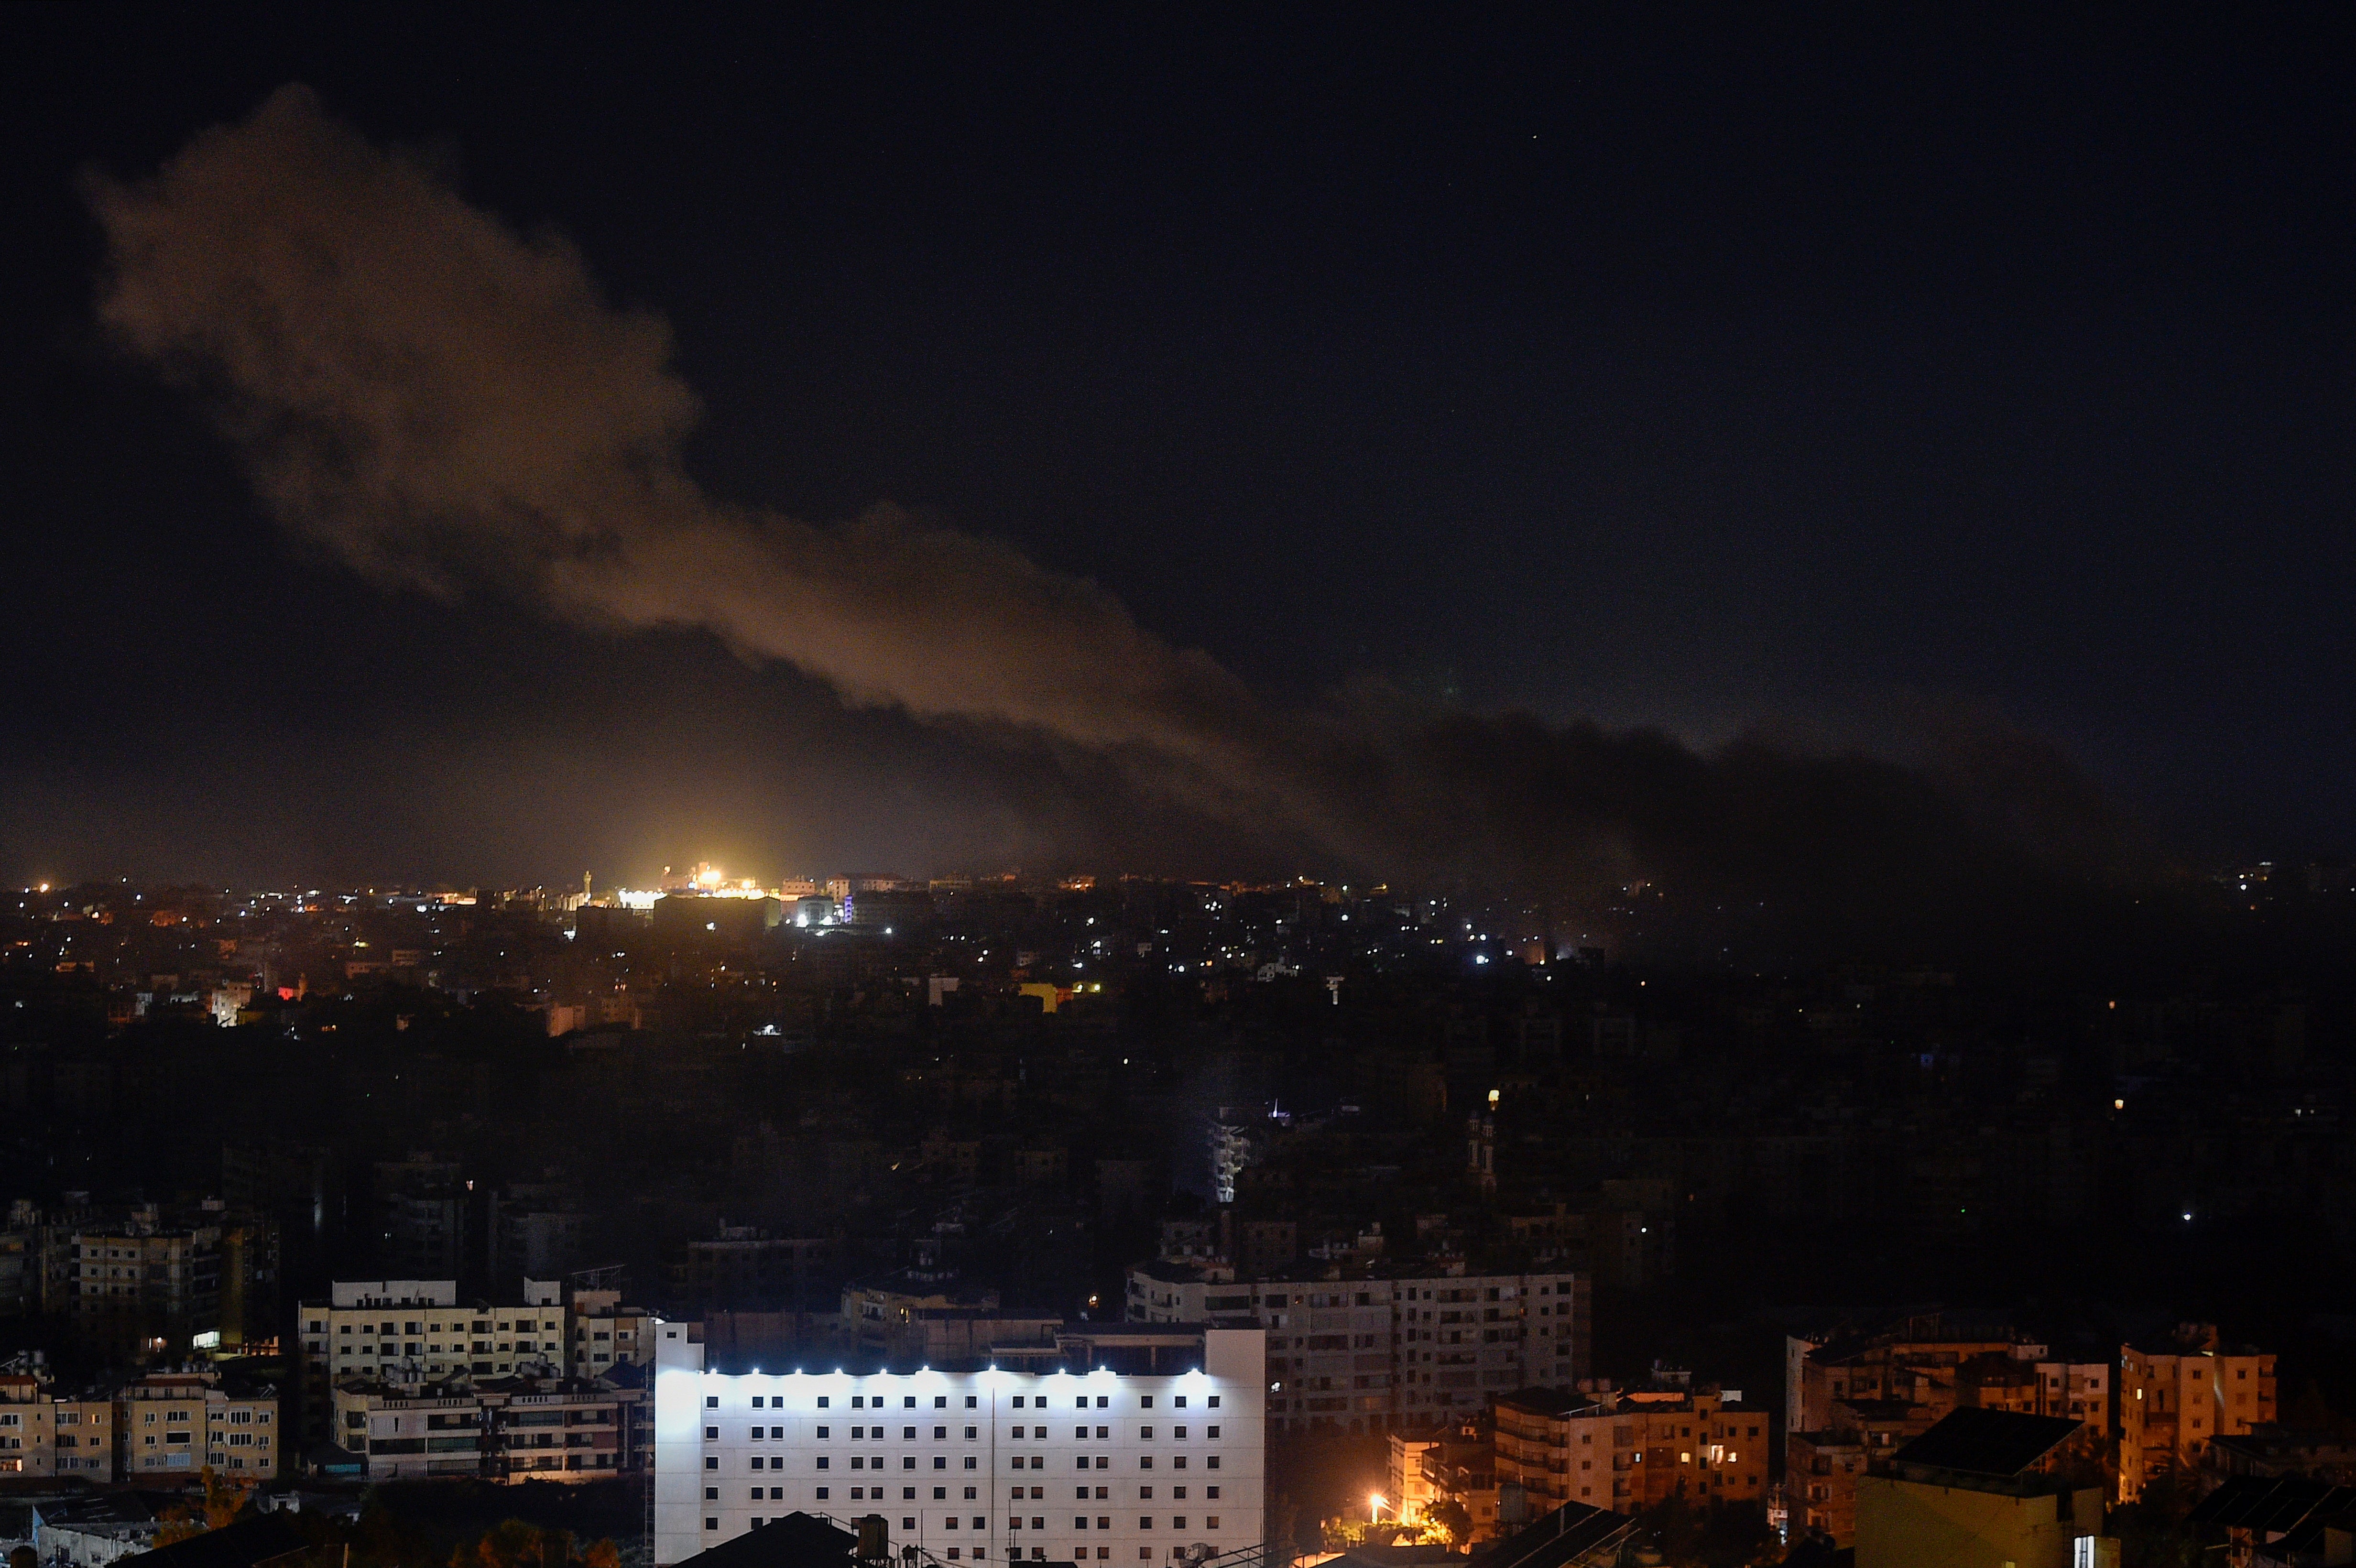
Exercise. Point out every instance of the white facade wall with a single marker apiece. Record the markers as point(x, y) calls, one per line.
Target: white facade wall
point(92, 1547)
point(971, 1467)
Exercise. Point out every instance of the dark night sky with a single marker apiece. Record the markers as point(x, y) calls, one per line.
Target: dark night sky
point(1689, 378)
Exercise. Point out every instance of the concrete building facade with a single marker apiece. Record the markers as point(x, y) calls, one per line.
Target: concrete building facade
point(1074, 1465)
point(1628, 1449)
point(511, 1430)
point(1372, 1353)
point(607, 1334)
point(2178, 1397)
point(172, 1424)
point(42, 1434)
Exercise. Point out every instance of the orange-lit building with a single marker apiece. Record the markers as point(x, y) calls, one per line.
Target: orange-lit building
point(1627, 1449)
point(1820, 1472)
point(2176, 1397)
point(43, 1434)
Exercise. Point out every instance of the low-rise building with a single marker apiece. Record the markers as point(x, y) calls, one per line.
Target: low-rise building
point(91, 1531)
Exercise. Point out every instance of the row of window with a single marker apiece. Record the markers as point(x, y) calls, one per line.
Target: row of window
point(1362, 1298)
point(972, 1433)
point(972, 1402)
point(1019, 1494)
point(940, 1462)
point(1013, 1554)
point(481, 1326)
point(457, 1348)
point(981, 1522)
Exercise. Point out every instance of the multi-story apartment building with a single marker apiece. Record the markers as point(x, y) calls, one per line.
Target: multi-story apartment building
point(410, 1332)
point(1144, 1446)
point(44, 1434)
point(144, 1281)
point(53, 1272)
point(409, 1432)
point(1460, 1467)
point(1628, 1449)
point(1366, 1354)
point(581, 1429)
point(606, 1334)
point(536, 1239)
point(1914, 1362)
point(902, 1321)
point(745, 1268)
point(1820, 1472)
point(513, 1429)
point(416, 1331)
point(422, 1212)
point(181, 1421)
point(1408, 1492)
point(2029, 1381)
point(2177, 1396)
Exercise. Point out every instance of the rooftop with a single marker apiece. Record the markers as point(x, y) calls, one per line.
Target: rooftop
point(1985, 1445)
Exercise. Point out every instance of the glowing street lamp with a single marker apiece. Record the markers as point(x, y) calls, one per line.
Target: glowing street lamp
point(1376, 1503)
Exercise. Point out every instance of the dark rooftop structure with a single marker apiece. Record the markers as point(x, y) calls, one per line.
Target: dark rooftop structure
point(2263, 1507)
point(1986, 1445)
point(1572, 1535)
point(1415, 1556)
point(792, 1541)
point(247, 1542)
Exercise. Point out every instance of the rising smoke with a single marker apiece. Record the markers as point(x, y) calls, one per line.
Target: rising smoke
point(446, 403)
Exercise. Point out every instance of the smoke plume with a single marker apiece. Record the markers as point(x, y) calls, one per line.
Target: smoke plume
point(445, 404)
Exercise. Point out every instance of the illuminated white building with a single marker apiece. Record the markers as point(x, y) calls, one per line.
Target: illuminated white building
point(1084, 1462)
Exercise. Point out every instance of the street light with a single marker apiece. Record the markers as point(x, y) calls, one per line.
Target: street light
point(1376, 1503)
